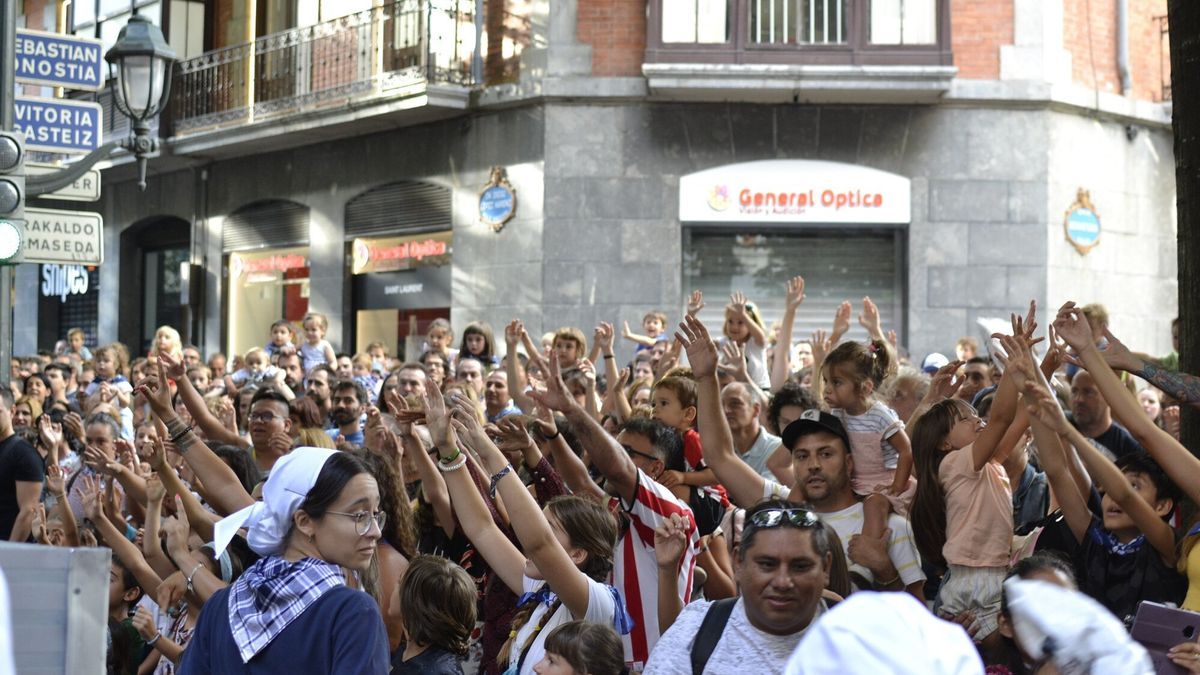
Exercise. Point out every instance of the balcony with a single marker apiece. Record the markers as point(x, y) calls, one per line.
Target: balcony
point(819, 51)
point(405, 62)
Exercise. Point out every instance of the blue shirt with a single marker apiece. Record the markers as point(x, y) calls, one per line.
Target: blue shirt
point(355, 438)
point(342, 632)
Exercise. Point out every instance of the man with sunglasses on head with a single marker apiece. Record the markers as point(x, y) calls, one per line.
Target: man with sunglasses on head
point(782, 567)
point(821, 465)
point(630, 465)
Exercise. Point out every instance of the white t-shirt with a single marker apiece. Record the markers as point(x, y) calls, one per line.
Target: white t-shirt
point(601, 609)
point(902, 547)
point(764, 446)
point(741, 649)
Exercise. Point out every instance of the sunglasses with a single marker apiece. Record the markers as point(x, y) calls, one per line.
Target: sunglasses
point(796, 517)
point(643, 455)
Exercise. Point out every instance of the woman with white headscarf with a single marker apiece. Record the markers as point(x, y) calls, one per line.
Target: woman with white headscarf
point(292, 610)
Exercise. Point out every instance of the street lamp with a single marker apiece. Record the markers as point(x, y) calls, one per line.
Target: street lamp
point(140, 63)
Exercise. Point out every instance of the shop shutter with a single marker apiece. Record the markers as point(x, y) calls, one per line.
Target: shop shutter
point(836, 265)
point(405, 207)
point(271, 223)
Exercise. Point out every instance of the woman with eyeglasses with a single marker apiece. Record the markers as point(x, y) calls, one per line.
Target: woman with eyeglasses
point(292, 611)
point(569, 545)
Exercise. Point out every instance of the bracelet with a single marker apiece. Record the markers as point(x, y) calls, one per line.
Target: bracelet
point(192, 575)
point(557, 433)
point(610, 356)
point(151, 641)
point(497, 477)
point(186, 430)
point(451, 458)
point(447, 468)
point(888, 583)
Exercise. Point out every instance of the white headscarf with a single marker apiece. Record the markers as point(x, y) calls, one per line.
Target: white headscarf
point(268, 522)
point(1077, 633)
point(870, 633)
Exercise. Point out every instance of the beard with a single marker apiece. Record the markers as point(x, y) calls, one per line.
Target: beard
point(343, 417)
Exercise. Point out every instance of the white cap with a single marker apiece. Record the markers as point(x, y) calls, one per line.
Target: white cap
point(933, 362)
point(870, 633)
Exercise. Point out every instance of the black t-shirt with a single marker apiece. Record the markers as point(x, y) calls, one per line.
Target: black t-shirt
point(432, 661)
point(1120, 580)
point(19, 461)
point(1117, 440)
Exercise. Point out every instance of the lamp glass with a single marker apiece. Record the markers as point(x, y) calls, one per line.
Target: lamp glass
point(136, 83)
point(10, 240)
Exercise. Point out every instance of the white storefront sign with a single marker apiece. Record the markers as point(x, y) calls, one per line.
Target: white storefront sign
point(794, 191)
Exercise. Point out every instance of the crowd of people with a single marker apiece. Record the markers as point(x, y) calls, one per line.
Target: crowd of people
point(730, 500)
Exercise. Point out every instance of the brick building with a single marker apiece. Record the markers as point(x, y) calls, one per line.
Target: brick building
point(331, 156)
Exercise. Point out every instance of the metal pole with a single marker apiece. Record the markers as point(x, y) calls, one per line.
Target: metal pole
point(8, 89)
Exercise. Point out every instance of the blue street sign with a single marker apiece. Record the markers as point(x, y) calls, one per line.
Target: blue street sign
point(58, 125)
point(59, 60)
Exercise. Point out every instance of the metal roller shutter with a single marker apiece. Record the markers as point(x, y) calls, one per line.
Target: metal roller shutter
point(836, 265)
point(271, 223)
point(401, 207)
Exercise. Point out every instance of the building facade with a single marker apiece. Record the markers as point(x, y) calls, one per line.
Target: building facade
point(932, 154)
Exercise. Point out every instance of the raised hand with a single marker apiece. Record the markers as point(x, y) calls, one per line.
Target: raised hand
point(841, 321)
point(72, 423)
point(55, 481)
point(1170, 418)
point(512, 335)
point(1017, 359)
point(89, 494)
point(513, 435)
point(50, 432)
point(555, 396)
point(1117, 355)
point(602, 337)
point(155, 492)
point(544, 421)
point(821, 343)
point(157, 393)
point(893, 339)
point(695, 303)
point(172, 365)
point(280, 443)
point(99, 459)
point(438, 420)
point(733, 361)
point(625, 332)
point(794, 294)
point(670, 540)
point(738, 302)
point(589, 372)
point(869, 318)
point(1045, 408)
point(701, 350)
point(945, 382)
point(1073, 327)
point(144, 623)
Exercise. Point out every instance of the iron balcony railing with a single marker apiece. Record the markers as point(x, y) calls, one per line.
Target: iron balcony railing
point(399, 44)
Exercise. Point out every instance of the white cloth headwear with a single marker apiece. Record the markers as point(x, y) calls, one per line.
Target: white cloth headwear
point(268, 522)
point(883, 633)
point(1079, 634)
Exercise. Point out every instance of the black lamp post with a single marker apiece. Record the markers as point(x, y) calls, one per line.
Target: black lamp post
point(140, 65)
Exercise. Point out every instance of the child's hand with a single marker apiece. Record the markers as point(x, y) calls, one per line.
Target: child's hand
point(1073, 327)
point(738, 302)
point(512, 335)
point(701, 350)
point(603, 337)
point(869, 318)
point(670, 540)
point(795, 293)
point(695, 303)
point(841, 321)
point(625, 332)
point(670, 479)
point(155, 492)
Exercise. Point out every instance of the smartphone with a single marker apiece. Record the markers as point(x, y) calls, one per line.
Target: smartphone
point(1159, 628)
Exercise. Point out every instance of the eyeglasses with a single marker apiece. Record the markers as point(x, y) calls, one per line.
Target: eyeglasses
point(643, 455)
point(264, 416)
point(768, 518)
point(363, 519)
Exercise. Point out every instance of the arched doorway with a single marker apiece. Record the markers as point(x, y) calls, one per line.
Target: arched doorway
point(152, 251)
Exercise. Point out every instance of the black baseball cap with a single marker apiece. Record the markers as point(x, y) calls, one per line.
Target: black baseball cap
point(814, 420)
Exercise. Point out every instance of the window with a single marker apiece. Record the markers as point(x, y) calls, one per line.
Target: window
point(696, 21)
point(104, 19)
point(903, 22)
point(822, 22)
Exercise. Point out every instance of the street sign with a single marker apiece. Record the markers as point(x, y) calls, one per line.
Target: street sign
point(86, 188)
point(68, 237)
point(59, 60)
point(58, 125)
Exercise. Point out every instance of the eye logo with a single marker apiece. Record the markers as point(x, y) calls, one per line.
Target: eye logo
point(718, 198)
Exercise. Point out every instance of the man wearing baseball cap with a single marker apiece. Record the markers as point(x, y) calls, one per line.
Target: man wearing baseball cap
point(821, 465)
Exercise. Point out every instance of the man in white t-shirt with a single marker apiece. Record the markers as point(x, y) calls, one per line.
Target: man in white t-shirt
point(782, 567)
point(822, 466)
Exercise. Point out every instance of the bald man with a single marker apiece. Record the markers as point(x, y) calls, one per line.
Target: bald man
point(1091, 414)
point(750, 440)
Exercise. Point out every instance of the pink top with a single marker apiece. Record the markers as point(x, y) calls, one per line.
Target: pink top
point(979, 526)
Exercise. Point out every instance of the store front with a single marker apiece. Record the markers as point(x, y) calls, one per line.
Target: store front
point(401, 246)
point(267, 269)
point(753, 226)
point(68, 297)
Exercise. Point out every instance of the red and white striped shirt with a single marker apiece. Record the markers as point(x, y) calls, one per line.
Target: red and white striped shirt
point(635, 572)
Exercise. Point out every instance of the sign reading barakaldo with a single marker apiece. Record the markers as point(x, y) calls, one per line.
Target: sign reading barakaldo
point(794, 191)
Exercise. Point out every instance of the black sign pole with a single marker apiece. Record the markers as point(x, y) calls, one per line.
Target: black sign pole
point(8, 89)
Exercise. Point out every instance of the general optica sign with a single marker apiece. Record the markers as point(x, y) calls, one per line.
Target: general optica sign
point(794, 191)
point(59, 60)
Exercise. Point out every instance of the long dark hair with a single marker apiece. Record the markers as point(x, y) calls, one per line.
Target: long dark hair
point(489, 341)
point(928, 514)
point(399, 531)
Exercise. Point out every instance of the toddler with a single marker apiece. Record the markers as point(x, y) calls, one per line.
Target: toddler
point(654, 325)
point(744, 326)
point(316, 349)
point(674, 401)
point(281, 337)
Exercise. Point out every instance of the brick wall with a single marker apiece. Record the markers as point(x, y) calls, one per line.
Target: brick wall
point(1090, 34)
point(977, 31)
point(616, 30)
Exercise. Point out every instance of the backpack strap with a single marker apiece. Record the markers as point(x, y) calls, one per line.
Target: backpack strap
point(710, 632)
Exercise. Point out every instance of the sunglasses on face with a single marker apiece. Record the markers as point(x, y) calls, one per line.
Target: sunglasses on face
point(635, 453)
point(769, 518)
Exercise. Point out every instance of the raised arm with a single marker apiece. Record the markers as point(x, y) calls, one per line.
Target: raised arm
point(739, 303)
point(528, 521)
point(644, 340)
point(151, 543)
point(744, 485)
point(172, 367)
point(1048, 420)
point(781, 365)
point(56, 486)
point(473, 514)
point(1004, 406)
point(516, 384)
point(122, 547)
point(606, 454)
point(225, 491)
point(568, 465)
point(870, 320)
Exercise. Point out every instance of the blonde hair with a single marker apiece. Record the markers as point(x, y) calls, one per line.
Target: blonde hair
point(751, 312)
point(313, 437)
point(173, 338)
point(256, 353)
point(319, 319)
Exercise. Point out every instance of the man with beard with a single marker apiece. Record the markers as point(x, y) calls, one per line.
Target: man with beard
point(316, 389)
point(348, 400)
point(629, 463)
point(293, 373)
point(821, 466)
point(1092, 416)
point(496, 401)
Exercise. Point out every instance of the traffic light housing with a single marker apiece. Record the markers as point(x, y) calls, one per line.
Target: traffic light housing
point(12, 196)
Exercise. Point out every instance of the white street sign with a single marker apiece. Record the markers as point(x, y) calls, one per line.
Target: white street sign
point(86, 188)
point(67, 237)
